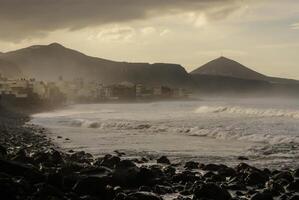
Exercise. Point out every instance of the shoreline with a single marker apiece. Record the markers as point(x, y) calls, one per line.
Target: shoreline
point(32, 167)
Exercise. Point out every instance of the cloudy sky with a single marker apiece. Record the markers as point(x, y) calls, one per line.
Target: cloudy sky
point(262, 34)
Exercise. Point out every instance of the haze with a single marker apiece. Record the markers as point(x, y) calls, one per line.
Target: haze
point(263, 34)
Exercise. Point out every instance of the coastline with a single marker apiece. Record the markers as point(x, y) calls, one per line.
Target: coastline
point(32, 167)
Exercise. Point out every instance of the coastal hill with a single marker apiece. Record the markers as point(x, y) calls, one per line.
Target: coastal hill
point(9, 69)
point(226, 67)
point(224, 75)
point(48, 62)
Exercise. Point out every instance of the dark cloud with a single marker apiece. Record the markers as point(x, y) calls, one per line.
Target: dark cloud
point(20, 19)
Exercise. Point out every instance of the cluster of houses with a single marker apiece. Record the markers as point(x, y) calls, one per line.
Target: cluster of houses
point(94, 91)
point(23, 91)
point(28, 92)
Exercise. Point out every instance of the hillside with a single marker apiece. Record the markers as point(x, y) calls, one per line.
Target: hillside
point(229, 68)
point(9, 69)
point(48, 62)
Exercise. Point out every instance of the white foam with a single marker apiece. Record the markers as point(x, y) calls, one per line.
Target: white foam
point(248, 111)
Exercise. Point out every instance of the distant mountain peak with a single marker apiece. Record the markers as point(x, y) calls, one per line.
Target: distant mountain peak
point(223, 66)
point(55, 44)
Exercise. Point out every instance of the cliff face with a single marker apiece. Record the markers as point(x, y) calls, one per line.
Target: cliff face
point(48, 62)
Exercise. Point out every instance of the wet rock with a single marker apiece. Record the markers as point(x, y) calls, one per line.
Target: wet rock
point(186, 176)
point(227, 172)
point(95, 186)
point(145, 189)
point(210, 167)
point(163, 160)
point(56, 179)
point(47, 191)
point(245, 168)
point(296, 173)
point(274, 188)
point(256, 178)
point(3, 152)
point(243, 158)
point(262, 196)
point(191, 165)
point(284, 175)
point(143, 196)
point(169, 170)
point(126, 174)
point(161, 189)
point(293, 186)
point(109, 161)
point(296, 197)
point(149, 176)
point(18, 169)
point(81, 157)
point(211, 191)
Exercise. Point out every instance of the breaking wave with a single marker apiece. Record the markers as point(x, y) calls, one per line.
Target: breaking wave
point(248, 111)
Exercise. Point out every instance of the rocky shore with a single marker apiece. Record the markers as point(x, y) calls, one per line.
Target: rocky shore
point(32, 168)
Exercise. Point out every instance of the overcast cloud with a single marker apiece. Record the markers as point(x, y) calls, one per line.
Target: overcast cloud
point(21, 19)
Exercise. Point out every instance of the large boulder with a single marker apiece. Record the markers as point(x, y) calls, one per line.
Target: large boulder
point(143, 196)
point(163, 160)
point(262, 196)
point(95, 186)
point(19, 169)
point(211, 191)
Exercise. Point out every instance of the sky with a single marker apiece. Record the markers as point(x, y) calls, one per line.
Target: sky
point(261, 34)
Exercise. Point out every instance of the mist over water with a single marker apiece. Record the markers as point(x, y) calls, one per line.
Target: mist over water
point(211, 130)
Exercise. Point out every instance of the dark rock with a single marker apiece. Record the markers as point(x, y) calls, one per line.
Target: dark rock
point(285, 175)
point(161, 189)
point(211, 191)
point(126, 174)
point(169, 170)
point(227, 172)
point(191, 165)
point(95, 186)
point(262, 196)
point(210, 167)
point(45, 190)
point(145, 189)
point(108, 161)
point(274, 188)
point(256, 178)
point(245, 168)
point(125, 164)
point(243, 158)
point(81, 157)
point(143, 196)
point(56, 179)
point(163, 160)
point(3, 152)
point(186, 176)
point(296, 197)
point(18, 169)
point(296, 173)
point(293, 186)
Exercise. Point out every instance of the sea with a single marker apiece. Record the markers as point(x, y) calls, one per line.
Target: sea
point(208, 130)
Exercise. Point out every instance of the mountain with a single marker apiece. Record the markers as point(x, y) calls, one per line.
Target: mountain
point(48, 62)
point(224, 76)
point(229, 68)
point(9, 69)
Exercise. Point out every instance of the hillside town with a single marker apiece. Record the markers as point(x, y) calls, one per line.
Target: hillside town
point(31, 91)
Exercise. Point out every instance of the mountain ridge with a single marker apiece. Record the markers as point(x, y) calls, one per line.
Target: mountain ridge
point(48, 62)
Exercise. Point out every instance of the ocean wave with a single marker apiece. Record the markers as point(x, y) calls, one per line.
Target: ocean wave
point(248, 111)
point(227, 134)
point(119, 125)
